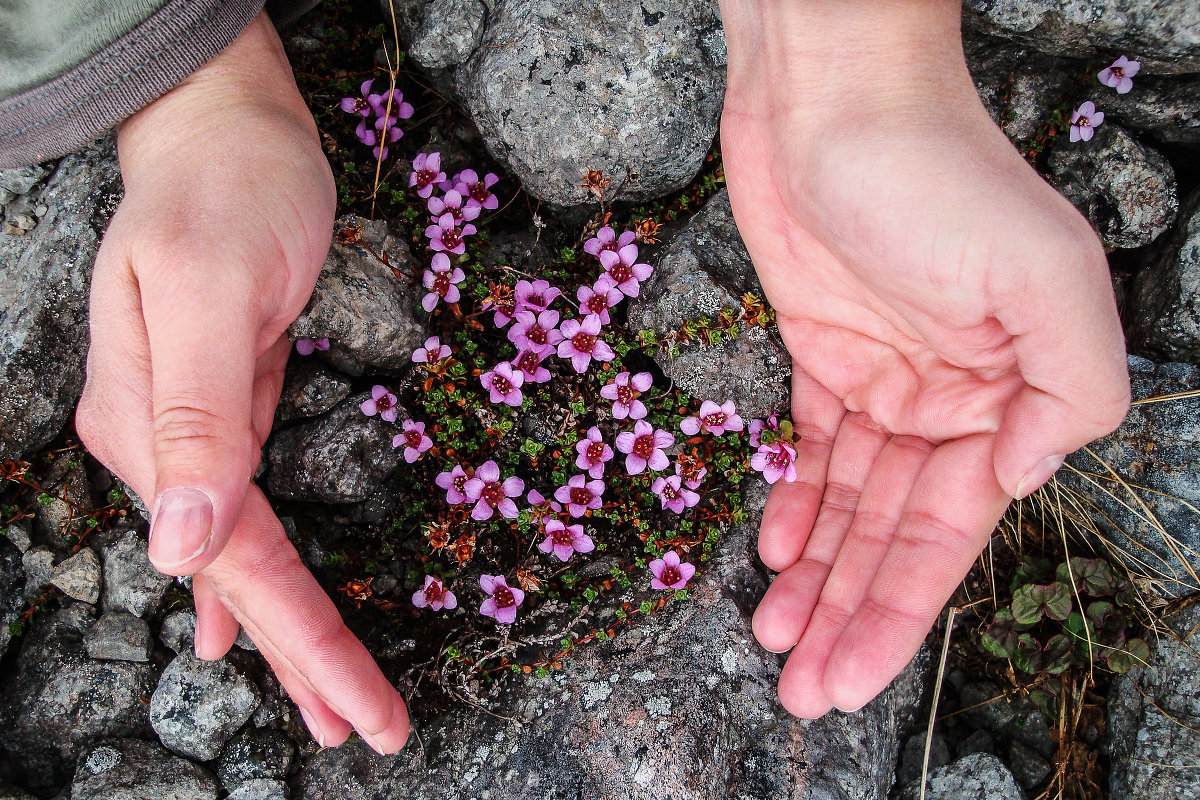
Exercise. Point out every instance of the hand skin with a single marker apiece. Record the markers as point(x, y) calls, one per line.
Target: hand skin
point(226, 220)
point(950, 318)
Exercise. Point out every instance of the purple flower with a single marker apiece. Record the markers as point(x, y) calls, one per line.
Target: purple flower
point(441, 281)
point(393, 134)
point(455, 484)
point(624, 392)
point(669, 573)
point(541, 505)
point(1118, 75)
point(382, 402)
point(490, 494)
point(775, 460)
point(644, 448)
point(478, 192)
point(427, 171)
point(758, 427)
point(435, 596)
point(533, 331)
point(622, 267)
point(673, 494)
point(581, 345)
point(433, 351)
point(713, 418)
point(504, 383)
point(414, 440)
point(529, 362)
point(448, 235)
point(606, 239)
point(502, 599)
point(536, 296)
point(579, 495)
point(596, 300)
point(451, 203)
point(305, 347)
point(1084, 121)
point(360, 105)
point(593, 453)
point(565, 540)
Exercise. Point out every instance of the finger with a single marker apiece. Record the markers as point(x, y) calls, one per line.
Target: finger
point(1071, 354)
point(952, 510)
point(792, 507)
point(801, 686)
point(205, 449)
point(268, 383)
point(278, 601)
point(216, 628)
point(326, 727)
point(783, 614)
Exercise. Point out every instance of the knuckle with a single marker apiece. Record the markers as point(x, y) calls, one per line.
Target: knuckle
point(183, 423)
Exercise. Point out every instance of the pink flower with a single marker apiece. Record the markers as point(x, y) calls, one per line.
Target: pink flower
point(565, 540)
point(758, 427)
point(624, 392)
point(535, 331)
point(596, 300)
point(360, 105)
point(1084, 121)
point(502, 599)
point(713, 418)
point(644, 447)
point(433, 351)
point(448, 235)
point(455, 484)
point(669, 573)
point(621, 266)
point(606, 239)
point(427, 171)
point(478, 192)
point(504, 383)
point(1119, 75)
point(451, 203)
point(579, 495)
point(414, 440)
point(775, 460)
point(673, 494)
point(382, 402)
point(695, 482)
point(504, 310)
point(593, 453)
point(529, 362)
point(441, 281)
point(305, 347)
point(536, 296)
point(392, 134)
point(435, 596)
point(581, 345)
point(490, 494)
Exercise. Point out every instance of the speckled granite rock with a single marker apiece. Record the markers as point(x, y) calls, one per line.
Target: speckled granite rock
point(1164, 301)
point(130, 769)
point(309, 389)
point(79, 576)
point(1018, 86)
point(131, 583)
point(448, 33)
point(974, 777)
point(198, 705)
point(1166, 107)
point(255, 754)
point(12, 590)
point(119, 636)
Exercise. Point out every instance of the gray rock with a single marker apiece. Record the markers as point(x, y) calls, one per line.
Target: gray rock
point(1157, 449)
point(704, 270)
point(119, 636)
point(12, 590)
point(1153, 753)
point(1166, 107)
point(681, 705)
point(79, 576)
point(58, 700)
point(39, 565)
point(253, 754)
point(912, 757)
point(130, 769)
point(1018, 86)
point(976, 742)
point(178, 630)
point(310, 389)
point(260, 789)
point(21, 180)
point(18, 533)
point(629, 87)
point(1165, 34)
point(975, 777)
point(1126, 190)
point(131, 583)
point(1028, 768)
point(9, 793)
point(364, 310)
point(44, 279)
point(449, 33)
point(1009, 717)
point(1164, 301)
point(61, 521)
point(199, 704)
point(339, 458)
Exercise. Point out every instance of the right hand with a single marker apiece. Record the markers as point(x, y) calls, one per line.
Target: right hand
point(226, 220)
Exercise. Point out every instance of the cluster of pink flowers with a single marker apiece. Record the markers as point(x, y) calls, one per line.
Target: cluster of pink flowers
point(1117, 75)
point(305, 347)
point(386, 128)
point(775, 456)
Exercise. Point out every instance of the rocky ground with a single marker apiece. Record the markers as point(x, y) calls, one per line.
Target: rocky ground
point(101, 698)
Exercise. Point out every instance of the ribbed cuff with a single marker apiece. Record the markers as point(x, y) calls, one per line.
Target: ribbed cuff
point(63, 115)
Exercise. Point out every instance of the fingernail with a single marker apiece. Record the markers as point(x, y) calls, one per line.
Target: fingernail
point(848, 710)
point(181, 527)
point(374, 744)
point(1040, 473)
point(316, 732)
point(776, 652)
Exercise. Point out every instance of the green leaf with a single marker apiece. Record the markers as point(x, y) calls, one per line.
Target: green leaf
point(1092, 575)
point(1056, 655)
point(1027, 650)
point(1031, 602)
point(1135, 654)
point(1033, 570)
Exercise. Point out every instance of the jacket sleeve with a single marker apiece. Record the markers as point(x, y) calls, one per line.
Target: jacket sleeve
point(72, 69)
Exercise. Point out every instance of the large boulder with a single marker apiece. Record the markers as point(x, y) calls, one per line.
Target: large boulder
point(1164, 301)
point(130, 769)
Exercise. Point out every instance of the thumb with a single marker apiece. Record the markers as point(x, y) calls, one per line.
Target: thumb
point(201, 329)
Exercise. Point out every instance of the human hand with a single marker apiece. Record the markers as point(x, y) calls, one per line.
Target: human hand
point(226, 220)
point(950, 317)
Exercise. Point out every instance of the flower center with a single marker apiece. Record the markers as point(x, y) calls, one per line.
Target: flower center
point(621, 272)
point(563, 536)
point(595, 452)
point(643, 446)
point(670, 576)
point(583, 342)
point(425, 177)
point(536, 300)
point(361, 104)
point(413, 438)
point(501, 384)
point(441, 283)
point(460, 484)
point(383, 403)
point(1118, 72)
point(493, 493)
point(503, 597)
point(624, 395)
point(480, 192)
point(669, 492)
point(779, 458)
point(580, 497)
point(528, 362)
point(597, 304)
point(432, 356)
point(452, 238)
point(536, 334)
point(1085, 122)
point(715, 419)
point(434, 593)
